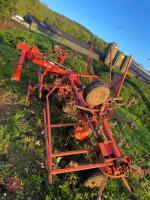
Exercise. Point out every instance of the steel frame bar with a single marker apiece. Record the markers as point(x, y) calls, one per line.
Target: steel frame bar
point(78, 96)
point(124, 76)
point(75, 152)
point(110, 66)
point(107, 130)
point(79, 168)
point(46, 138)
point(62, 125)
point(129, 189)
point(28, 90)
point(86, 75)
point(49, 141)
point(102, 187)
point(18, 69)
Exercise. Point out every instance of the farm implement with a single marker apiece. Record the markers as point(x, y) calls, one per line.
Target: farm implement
point(91, 106)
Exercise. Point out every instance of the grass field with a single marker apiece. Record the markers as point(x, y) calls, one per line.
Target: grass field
point(22, 147)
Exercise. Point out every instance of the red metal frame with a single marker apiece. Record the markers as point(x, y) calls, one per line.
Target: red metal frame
point(109, 158)
point(124, 76)
point(107, 148)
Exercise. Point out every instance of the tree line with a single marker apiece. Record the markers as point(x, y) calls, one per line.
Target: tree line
point(43, 13)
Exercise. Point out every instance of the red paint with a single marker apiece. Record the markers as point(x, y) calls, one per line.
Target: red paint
point(69, 81)
point(124, 76)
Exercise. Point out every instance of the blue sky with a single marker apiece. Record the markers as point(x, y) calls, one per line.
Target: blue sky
point(125, 22)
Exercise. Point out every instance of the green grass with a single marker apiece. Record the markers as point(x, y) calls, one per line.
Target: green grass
point(22, 147)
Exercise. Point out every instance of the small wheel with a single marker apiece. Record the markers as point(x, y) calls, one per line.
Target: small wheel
point(94, 181)
point(96, 93)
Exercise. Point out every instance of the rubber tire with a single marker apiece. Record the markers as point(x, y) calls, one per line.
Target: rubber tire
point(94, 180)
point(93, 85)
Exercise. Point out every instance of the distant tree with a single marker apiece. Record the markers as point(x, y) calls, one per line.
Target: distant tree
point(43, 13)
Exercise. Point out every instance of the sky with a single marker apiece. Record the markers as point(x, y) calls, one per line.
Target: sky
point(125, 22)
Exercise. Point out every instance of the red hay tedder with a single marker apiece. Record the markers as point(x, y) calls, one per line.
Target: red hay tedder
point(95, 105)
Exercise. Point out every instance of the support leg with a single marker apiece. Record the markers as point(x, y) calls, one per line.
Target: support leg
point(28, 92)
point(40, 85)
point(129, 190)
point(102, 187)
